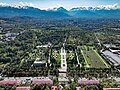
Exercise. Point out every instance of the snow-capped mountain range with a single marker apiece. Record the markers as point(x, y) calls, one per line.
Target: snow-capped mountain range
point(25, 4)
point(101, 7)
point(103, 11)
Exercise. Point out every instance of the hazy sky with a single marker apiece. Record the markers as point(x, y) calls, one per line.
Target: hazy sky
point(68, 4)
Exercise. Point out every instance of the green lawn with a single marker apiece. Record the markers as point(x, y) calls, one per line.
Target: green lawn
point(93, 59)
point(70, 54)
point(57, 56)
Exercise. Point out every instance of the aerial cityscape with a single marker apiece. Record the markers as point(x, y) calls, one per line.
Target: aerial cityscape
point(59, 45)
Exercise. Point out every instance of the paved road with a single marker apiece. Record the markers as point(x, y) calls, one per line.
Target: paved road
point(63, 59)
point(49, 56)
point(98, 39)
point(63, 69)
point(77, 58)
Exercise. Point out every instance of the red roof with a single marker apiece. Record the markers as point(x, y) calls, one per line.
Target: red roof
point(23, 88)
point(9, 82)
point(78, 88)
point(111, 88)
point(54, 88)
point(42, 82)
point(88, 81)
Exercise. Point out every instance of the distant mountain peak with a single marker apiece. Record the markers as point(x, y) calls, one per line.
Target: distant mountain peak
point(101, 7)
point(59, 9)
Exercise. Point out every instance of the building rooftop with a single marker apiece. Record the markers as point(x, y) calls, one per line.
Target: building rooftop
point(63, 79)
point(88, 81)
point(54, 88)
point(44, 46)
point(111, 88)
point(114, 58)
point(9, 82)
point(23, 88)
point(42, 81)
point(39, 62)
point(78, 88)
point(114, 51)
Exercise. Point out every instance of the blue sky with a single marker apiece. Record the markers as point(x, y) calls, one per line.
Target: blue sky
point(68, 4)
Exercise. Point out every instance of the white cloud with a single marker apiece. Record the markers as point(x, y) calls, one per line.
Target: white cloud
point(106, 7)
point(59, 5)
point(54, 6)
point(3, 4)
point(22, 4)
point(114, 6)
point(27, 4)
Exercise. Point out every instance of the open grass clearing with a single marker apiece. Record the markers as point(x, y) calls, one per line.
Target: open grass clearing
point(92, 58)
